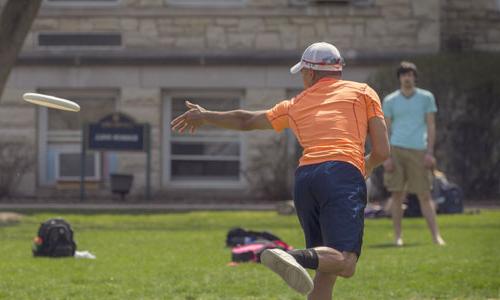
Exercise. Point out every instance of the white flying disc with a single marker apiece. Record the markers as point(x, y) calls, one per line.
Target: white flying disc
point(51, 101)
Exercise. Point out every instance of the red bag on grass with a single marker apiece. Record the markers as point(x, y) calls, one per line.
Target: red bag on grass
point(251, 252)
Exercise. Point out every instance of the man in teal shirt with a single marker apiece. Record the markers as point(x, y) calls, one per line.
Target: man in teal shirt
point(410, 117)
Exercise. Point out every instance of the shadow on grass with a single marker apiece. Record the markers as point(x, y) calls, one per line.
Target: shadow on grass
point(391, 245)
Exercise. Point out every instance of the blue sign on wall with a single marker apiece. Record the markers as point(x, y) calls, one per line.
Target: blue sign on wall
point(117, 132)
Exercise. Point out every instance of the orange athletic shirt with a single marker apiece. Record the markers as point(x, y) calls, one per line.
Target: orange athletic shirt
point(330, 120)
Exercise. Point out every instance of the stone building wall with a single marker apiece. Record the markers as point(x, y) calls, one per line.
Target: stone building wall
point(471, 25)
point(387, 25)
point(386, 29)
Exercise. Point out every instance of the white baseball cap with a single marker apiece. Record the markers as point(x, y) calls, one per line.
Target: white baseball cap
point(320, 56)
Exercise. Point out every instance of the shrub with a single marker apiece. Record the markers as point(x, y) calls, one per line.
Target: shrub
point(269, 171)
point(16, 158)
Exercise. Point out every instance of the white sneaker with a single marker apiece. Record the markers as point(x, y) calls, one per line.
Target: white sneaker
point(289, 269)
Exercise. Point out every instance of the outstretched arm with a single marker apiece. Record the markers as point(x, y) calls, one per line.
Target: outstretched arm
point(198, 116)
point(380, 144)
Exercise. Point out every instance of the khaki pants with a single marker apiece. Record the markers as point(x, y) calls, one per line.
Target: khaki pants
point(409, 175)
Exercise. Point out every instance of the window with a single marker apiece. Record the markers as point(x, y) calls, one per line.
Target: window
point(60, 136)
point(317, 2)
point(68, 165)
point(209, 155)
point(331, 1)
point(93, 106)
point(206, 3)
point(56, 39)
point(328, 2)
point(82, 2)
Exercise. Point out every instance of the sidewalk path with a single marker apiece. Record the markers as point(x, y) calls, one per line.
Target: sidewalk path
point(145, 207)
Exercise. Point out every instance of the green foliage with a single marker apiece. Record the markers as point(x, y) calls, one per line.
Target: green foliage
point(268, 173)
point(182, 256)
point(467, 91)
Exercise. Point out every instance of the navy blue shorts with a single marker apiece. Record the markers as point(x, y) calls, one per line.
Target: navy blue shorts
point(330, 199)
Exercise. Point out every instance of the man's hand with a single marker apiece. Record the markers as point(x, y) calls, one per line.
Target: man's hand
point(368, 169)
point(190, 120)
point(241, 120)
point(429, 161)
point(389, 165)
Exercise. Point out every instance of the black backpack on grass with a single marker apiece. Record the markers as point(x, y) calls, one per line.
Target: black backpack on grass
point(55, 239)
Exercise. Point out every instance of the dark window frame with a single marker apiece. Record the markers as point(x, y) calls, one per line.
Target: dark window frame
point(73, 39)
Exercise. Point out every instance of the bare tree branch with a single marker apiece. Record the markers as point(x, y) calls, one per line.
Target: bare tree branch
point(15, 22)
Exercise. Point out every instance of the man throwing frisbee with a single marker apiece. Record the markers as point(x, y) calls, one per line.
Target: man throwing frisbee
point(331, 119)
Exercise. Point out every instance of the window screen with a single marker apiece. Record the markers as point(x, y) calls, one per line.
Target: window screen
point(209, 154)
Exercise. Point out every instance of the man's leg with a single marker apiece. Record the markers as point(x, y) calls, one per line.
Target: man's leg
point(420, 183)
point(341, 192)
point(397, 215)
point(332, 263)
point(289, 269)
point(339, 263)
point(328, 263)
point(425, 200)
point(333, 215)
point(323, 286)
point(395, 181)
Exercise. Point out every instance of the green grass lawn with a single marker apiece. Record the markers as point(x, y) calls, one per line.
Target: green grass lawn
point(182, 256)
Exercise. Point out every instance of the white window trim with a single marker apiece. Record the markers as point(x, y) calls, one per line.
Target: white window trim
point(167, 181)
point(201, 3)
point(97, 166)
point(64, 136)
point(42, 146)
point(82, 3)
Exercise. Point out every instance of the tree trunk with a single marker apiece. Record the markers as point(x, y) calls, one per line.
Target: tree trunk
point(15, 22)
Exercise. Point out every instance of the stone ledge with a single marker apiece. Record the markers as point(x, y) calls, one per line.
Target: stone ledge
point(178, 58)
point(194, 12)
